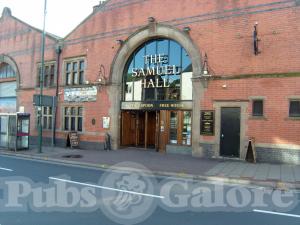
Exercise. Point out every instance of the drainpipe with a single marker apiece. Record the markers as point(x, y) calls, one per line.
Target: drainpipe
point(58, 51)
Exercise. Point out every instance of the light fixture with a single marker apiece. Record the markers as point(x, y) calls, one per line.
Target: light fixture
point(205, 68)
point(186, 29)
point(151, 19)
point(256, 40)
point(119, 41)
point(206, 72)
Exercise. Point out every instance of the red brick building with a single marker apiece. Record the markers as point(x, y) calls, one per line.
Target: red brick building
point(193, 77)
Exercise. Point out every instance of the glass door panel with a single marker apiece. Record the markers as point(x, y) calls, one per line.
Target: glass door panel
point(173, 127)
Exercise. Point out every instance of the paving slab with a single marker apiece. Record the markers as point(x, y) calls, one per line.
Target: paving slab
point(228, 169)
point(287, 173)
point(249, 172)
point(274, 172)
point(296, 173)
point(217, 169)
point(237, 172)
point(262, 172)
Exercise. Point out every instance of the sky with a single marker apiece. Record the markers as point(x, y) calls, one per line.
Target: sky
point(62, 15)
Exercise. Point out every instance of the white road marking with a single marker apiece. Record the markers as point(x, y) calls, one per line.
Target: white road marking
point(10, 170)
point(276, 213)
point(107, 188)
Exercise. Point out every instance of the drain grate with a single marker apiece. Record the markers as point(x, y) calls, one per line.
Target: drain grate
point(72, 156)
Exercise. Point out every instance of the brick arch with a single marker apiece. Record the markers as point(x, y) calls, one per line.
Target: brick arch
point(10, 61)
point(152, 31)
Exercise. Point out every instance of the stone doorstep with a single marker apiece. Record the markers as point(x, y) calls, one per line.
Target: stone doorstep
point(242, 181)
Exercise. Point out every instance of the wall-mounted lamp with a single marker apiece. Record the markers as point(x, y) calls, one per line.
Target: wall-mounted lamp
point(206, 72)
point(186, 29)
point(101, 80)
point(120, 42)
point(151, 19)
point(256, 40)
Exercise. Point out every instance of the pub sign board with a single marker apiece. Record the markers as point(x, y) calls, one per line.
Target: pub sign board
point(207, 126)
point(74, 139)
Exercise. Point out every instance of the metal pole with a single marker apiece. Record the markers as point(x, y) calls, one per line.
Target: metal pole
point(42, 80)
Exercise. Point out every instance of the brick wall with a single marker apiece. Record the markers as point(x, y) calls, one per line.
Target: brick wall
point(221, 28)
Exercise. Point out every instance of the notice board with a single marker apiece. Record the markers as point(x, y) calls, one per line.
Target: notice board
point(74, 139)
point(207, 123)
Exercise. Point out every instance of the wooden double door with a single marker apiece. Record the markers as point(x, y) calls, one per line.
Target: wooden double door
point(156, 129)
point(140, 129)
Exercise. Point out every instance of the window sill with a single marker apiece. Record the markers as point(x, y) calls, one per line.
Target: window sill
point(293, 118)
point(45, 88)
point(258, 118)
point(76, 85)
point(69, 131)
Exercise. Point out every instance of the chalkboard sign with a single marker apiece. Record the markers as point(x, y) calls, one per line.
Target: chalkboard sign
point(251, 152)
point(74, 139)
point(207, 123)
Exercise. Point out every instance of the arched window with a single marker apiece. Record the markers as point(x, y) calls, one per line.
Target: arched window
point(159, 70)
point(6, 71)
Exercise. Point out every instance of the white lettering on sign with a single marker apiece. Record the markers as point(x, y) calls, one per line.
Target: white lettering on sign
point(160, 68)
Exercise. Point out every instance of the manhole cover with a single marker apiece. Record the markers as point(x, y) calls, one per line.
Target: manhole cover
point(72, 156)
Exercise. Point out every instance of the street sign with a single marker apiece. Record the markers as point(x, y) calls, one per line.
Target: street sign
point(48, 101)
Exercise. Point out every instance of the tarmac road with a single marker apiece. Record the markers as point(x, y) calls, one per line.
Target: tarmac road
point(43, 193)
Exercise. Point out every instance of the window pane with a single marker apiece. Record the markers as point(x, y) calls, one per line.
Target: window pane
point(75, 78)
point(81, 65)
point(73, 111)
point(67, 123)
point(145, 78)
point(44, 122)
point(187, 128)
point(51, 83)
point(258, 108)
point(50, 123)
point(68, 67)
point(73, 124)
point(173, 128)
point(81, 74)
point(75, 66)
point(45, 80)
point(68, 79)
point(79, 111)
point(294, 108)
point(79, 124)
point(67, 111)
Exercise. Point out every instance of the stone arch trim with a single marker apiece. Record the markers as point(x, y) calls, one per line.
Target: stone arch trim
point(7, 59)
point(152, 31)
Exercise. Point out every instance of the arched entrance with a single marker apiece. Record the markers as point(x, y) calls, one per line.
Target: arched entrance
point(151, 34)
point(8, 84)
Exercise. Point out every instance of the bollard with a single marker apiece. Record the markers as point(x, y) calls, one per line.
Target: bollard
point(107, 142)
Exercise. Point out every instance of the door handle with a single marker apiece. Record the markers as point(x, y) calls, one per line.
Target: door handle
point(222, 135)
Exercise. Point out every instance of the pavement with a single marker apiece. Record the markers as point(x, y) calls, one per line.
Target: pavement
point(276, 176)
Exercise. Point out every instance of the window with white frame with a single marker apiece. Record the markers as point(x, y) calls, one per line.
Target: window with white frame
point(72, 119)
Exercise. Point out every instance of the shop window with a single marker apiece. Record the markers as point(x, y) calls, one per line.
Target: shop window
point(180, 131)
point(6, 71)
point(258, 108)
point(187, 128)
point(173, 127)
point(49, 75)
point(294, 110)
point(74, 72)
point(73, 118)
